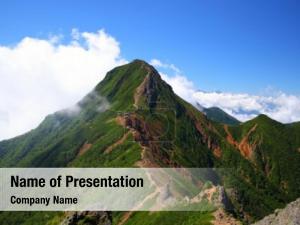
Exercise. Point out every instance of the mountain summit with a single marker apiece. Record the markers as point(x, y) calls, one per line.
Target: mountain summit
point(137, 84)
point(134, 119)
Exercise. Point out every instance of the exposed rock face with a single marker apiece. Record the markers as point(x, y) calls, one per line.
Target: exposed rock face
point(245, 148)
point(290, 215)
point(223, 218)
point(150, 89)
point(88, 218)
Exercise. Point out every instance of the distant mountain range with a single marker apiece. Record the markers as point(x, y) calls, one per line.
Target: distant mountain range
point(218, 115)
point(134, 119)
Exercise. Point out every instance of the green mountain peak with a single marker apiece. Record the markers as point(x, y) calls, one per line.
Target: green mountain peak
point(134, 119)
point(134, 84)
point(263, 117)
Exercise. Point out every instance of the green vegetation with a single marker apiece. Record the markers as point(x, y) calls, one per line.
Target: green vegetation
point(174, 133)
point(170, 218)
point(31, 218)
point(218, 115)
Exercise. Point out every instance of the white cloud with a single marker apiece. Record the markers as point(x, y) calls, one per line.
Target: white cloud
point(181, 86)
point(281, 106)
point(277, 105)
point(157, 63)
point(41, 76)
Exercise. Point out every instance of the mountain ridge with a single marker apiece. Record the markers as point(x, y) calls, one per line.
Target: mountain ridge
point(133, 118)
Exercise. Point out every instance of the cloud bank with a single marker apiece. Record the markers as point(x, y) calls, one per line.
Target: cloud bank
point(280, 106)
point(41, 76)
point(277, 105)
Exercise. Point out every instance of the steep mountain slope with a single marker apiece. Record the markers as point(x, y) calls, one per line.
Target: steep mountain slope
point(133, 118)
point(272, 148)
point(218, 115)
point(139, 103)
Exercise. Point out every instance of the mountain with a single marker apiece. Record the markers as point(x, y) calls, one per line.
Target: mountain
point(133, 118)
point(218, 115)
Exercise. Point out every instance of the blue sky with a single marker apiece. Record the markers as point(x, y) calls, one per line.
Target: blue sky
point(236, 46)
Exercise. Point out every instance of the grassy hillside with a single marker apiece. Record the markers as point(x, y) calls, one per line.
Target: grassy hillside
point(133, 119)
point(218, 115)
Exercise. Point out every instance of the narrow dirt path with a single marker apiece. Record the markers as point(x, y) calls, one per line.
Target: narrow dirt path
point(119, 142)
point(85, 147)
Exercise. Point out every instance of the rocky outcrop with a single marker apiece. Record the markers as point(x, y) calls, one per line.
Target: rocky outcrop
point(88, 218)
point(218, 197)
point(221, 217)
point(290, 215)
point(148, 138)
point(148, 91)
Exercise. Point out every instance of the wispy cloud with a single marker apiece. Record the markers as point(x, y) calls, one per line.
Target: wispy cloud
point(99, 103)
point(41, 76)
point(157, 63)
